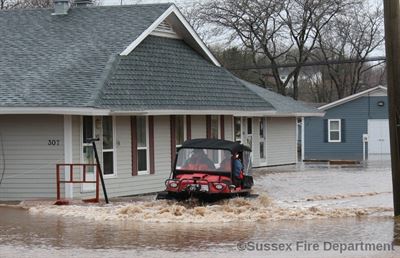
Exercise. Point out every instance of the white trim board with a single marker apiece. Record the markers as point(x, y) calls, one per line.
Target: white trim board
point(352, 97)
point(54, 111)
point(171, 10)
point(69, 192)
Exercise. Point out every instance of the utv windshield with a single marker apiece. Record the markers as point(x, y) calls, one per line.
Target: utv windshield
point(204, 160)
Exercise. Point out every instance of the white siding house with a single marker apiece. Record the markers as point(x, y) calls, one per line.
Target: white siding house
point(142, 90)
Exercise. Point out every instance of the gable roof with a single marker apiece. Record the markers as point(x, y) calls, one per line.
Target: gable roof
point(174, 17)
point(353, 97)
point(284, 106)
point(166, 74)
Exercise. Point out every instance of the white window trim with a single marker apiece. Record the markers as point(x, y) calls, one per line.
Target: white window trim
point(329, 130)
point(114, 149)
point(144, 172)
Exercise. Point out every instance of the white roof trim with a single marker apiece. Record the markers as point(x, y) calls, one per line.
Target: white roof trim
point(106, 112)
point(53, 111)
point(317, 114)
point(350, 98)
point(195, 112)
point(149, 30)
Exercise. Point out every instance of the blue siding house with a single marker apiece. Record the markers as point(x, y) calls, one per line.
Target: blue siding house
point(353, 128)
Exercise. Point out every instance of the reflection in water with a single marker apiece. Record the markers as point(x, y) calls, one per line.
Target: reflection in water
point(19, 228)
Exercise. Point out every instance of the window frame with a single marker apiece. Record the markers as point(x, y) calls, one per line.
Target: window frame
point(147, 148)
point(114, 149)
point(339, 130)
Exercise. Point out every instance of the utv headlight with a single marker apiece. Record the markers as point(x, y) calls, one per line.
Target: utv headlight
point(173, 184)
point(219, 186)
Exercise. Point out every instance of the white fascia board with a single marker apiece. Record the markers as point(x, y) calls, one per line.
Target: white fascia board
point(53, 111)
point(278, 114)
point(195, 112)
point(181, 18)
point(351, 97)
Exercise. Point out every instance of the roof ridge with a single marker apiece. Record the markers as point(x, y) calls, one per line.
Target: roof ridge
point(108, 71)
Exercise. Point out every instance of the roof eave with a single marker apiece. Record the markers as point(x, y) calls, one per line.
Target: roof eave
point(350, 98)
point(53, 111)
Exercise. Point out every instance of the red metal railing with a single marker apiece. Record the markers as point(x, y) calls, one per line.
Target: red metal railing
point(61, 167)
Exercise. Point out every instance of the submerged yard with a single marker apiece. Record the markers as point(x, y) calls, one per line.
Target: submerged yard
point(314, 203)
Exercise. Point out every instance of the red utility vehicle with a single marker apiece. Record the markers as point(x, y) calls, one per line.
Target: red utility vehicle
point(209, 168)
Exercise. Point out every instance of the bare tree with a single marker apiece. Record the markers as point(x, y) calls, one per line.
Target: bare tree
point(274, 31)
point(351, 35)
point(23, 4)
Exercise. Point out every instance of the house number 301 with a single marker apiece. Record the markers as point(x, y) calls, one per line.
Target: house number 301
point(53, 143)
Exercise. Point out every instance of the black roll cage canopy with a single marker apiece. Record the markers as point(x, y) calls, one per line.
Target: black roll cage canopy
point(214, 144)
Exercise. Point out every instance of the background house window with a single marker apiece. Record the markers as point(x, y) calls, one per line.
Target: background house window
point(108, 145)
point(142, 144)
point(334, 130)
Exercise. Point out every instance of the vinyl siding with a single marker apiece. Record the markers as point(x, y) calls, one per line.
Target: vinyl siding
point(30, 163)
point(123, 183)
point(281, 141)
point(356, 114)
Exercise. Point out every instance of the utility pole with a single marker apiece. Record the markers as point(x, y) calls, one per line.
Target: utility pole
point(392, 37)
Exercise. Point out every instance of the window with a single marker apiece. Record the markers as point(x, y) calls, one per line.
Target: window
point(249, 126)
point(214, 127)
point(334, 130)
point(262, 138)
point(238, 129)
point(108, 145)
point(87, 122)
point(142, 144)
point(249, 138)
point(179, 130)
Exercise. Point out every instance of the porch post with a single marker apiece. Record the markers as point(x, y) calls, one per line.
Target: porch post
point(68, 154)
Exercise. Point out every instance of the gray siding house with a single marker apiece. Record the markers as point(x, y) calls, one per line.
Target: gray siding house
point(138, 78)
point(353, 128)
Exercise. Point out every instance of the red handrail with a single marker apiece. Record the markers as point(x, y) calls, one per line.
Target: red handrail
point(71, 178)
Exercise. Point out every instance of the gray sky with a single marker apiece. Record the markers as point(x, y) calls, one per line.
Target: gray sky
point(177, 2)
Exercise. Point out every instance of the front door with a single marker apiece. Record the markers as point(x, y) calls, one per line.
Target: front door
point(378, 137)
point(88, 131)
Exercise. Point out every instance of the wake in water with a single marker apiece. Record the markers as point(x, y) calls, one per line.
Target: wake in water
point(232, 210)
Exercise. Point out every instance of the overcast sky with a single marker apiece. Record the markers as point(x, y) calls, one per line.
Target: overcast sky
point(177, 2)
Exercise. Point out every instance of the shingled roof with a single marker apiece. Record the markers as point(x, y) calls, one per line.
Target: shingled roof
point(167, 74)
point(58, 60)
point(75, 61)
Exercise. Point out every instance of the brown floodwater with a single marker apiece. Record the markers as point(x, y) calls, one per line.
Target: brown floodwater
point(307, 204)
